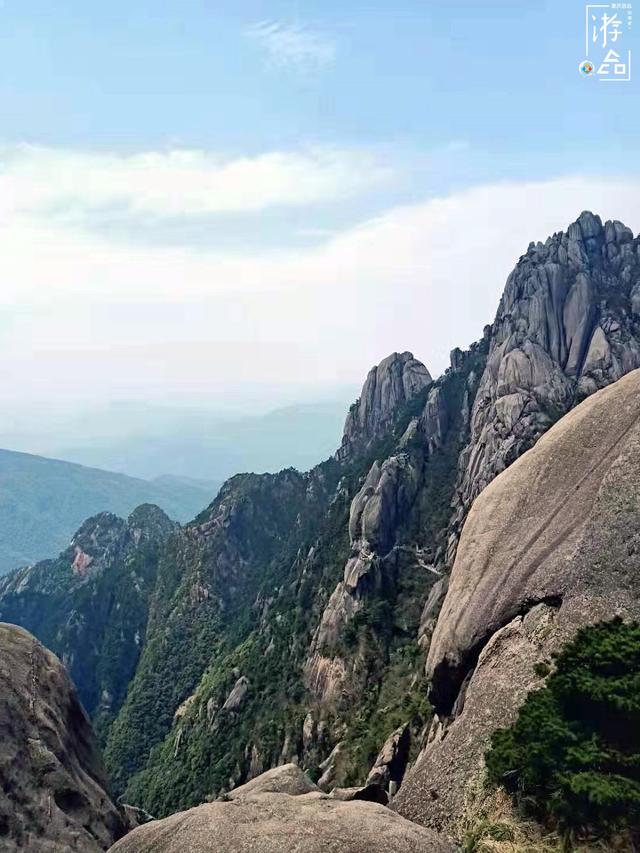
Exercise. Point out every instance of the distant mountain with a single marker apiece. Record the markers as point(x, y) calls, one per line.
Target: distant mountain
point(90, 604)
point(44, 501)
point(150, 441)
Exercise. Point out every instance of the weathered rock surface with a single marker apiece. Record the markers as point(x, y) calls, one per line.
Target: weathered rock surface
point(376, 511)
point(287, 779)
point(388, 386)
point(391, 763)
point(551, 545)
point(55, 797)
point(236, 699)
point(280, 823)
point(566, 326)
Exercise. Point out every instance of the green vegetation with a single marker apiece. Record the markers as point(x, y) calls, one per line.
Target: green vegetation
point(44, 501)
point(572, 759)
point(397, 697)
point(220, 601)
point(241, 592)
point(96, 619)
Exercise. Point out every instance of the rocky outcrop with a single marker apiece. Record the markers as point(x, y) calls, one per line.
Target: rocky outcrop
point(55, 796)
point(282, 823)
point(236, 699)
point(391, 763)
point(376, 511)
point(395, 532)
point(92, 602)
point(286, 779)
point(567, 325)
point(389, 385)
point(551, 545)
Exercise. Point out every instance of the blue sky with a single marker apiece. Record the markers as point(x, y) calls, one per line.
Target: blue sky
point(500, 77)
point(283, 192)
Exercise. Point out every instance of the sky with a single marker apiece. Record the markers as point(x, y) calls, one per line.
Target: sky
point(250, 203)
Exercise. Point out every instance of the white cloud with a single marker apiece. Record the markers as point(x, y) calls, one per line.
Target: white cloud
point(81, 315)
point(293, 46)
point(58, 182)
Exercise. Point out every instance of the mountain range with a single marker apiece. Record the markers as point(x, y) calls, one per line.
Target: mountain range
point(43, 501)
point(148, 440)
point(375, 619)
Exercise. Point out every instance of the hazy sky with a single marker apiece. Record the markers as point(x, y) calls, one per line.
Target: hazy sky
point(200, 199)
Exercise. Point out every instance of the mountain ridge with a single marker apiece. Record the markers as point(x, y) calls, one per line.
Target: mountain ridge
point(43, 501)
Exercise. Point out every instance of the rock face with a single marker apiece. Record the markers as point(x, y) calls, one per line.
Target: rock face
point(389, 385)
point(97, 596)
point(287, 779)
point(55, 796)
point(567, 325)
point(377, 510)
point(261, 820)
point(551, 545)
point(392, 759)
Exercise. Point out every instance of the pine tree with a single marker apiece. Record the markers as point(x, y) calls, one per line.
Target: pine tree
point(572, 758)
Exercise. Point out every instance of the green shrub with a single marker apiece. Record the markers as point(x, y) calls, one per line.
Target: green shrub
point(572, 759)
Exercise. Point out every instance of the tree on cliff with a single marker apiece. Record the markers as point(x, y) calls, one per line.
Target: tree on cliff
point(572, 758)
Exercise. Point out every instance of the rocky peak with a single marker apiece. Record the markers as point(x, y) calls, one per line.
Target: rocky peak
point(97, 592)
point(388, 386)
point(151, 522)
point(98, 533)
point(568, 324)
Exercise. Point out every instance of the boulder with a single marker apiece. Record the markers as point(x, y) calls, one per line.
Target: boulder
point(368, 793)
point(287, 779)
point(392, 759)
point(280, 823)
point(55, 797)
point(551, 545)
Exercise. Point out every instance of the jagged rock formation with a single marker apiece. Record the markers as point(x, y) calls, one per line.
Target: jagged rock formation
point(551, 545)
point(392, 383)
point(260, 819)
point(55, 797)
point(90, 606)
point(568, 323)
point(389, 530)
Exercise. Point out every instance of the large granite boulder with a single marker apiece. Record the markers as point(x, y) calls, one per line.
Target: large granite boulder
point(286, 779)
point(550, 545)
point(281, 823)
point(55, 796)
